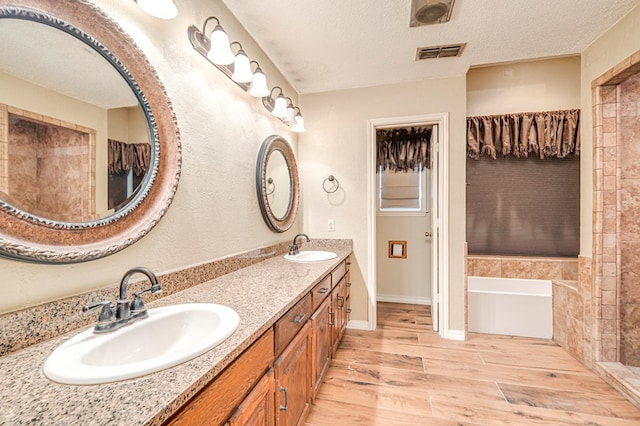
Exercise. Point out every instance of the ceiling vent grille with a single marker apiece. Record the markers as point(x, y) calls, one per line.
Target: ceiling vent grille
point(434, 52)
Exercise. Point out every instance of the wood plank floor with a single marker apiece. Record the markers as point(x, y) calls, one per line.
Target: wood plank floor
point(404, 374)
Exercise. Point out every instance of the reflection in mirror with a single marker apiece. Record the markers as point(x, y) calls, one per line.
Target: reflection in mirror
point(77, 143)
point(277, 183)
point(79, 101)
point(278, 187)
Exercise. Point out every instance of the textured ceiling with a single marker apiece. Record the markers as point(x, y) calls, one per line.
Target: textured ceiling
point(56, 60)
point(322, 45)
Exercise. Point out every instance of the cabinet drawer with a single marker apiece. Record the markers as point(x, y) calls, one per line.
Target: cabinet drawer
point(215, 403)
point(292, 322)
point(320, 292)
point(338, 272)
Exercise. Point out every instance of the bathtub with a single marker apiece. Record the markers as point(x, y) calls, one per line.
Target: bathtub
point(513, 307)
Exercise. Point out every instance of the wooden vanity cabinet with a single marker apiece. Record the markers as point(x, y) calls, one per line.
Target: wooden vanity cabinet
point(274, 381)
point(328, 322)
point(293, 375)
point(220, 398)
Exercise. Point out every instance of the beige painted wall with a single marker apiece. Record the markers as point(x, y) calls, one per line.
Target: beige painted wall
point(128, 125)
point(336, 144)
point(543, 85)
point(215, 212)
point(617, 44)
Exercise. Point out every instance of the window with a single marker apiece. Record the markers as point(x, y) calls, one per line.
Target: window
point(402, 192)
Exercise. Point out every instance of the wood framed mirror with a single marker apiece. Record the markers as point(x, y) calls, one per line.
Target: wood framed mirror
point(87, 63)
point(277, 184)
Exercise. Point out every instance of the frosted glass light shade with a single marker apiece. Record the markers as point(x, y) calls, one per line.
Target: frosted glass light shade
point(280, 107)
point(259, 87)
point(163, 9)
point(242, 68)
point(220, 52)
point(299, 126)
point(291, 115)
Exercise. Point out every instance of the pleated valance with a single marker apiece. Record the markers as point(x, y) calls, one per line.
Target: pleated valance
point(401, 150)
point(123, 157)
point(546, 134)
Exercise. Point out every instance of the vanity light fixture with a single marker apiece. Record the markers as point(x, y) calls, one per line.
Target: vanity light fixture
point(241, 67)
point(163, 9)
point(259, 87)
point(280, 105)
point(291, 113)
point(217, 49)
point(298, 127)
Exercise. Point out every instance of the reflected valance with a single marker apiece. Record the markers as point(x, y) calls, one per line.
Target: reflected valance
point(123, 157)
point(547, 134)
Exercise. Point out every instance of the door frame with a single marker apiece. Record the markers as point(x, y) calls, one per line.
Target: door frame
point(442, 122)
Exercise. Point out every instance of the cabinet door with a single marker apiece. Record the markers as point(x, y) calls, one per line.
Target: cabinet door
point(320, 344)
point(339, 317)
point(333, 319)
point(258, 408)
point(216, 402)
point(343, 307)
point(293, 376)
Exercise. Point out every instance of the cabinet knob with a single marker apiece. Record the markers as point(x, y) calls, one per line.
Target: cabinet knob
point(428, 234)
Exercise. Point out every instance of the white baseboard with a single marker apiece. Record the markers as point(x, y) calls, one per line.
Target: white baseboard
point(358, 325)
point(403, 299)
point(455, 335)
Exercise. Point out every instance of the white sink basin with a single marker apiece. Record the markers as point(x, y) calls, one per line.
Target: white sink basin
point(311, 256)
point(168, 337)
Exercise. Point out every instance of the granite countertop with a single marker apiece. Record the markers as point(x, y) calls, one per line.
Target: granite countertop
point(260, 294)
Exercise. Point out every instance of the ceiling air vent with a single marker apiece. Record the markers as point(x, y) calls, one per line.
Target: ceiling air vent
point(433, 52)
point(426, 12)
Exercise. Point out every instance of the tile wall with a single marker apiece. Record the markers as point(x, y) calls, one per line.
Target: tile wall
point(46, 166)
point(629, 237)
point(540, 268)
point(615, 290)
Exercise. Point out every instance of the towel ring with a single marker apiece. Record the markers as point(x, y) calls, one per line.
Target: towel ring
point(273, 186)
point(331, 178)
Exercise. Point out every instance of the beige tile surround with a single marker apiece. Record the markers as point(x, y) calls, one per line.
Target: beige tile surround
point(539, 268)
point(615, 294)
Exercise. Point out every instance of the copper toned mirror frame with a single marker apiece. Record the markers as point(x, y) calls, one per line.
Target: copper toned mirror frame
point(31, 238)
point(271, 144)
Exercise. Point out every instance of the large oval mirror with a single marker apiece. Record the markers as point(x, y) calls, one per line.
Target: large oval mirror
point(277, 183)
point(89, 147)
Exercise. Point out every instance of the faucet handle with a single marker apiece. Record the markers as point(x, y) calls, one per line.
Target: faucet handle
point(106, 313)
point(137, 304)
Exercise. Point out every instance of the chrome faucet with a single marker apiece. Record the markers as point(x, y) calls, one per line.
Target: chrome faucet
point(125, 312)
point(293, 248)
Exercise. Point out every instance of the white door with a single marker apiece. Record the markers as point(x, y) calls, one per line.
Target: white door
point(434, 234)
